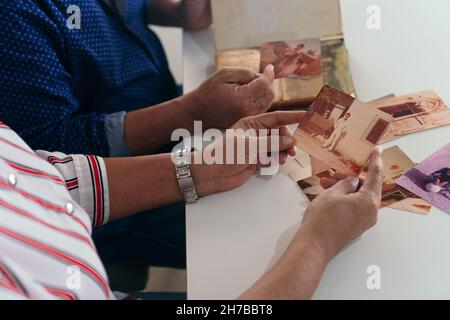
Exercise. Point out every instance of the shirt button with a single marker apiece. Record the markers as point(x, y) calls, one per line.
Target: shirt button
point(69, 207)
point(12, 180)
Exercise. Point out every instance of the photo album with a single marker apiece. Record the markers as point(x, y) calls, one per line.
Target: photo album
point(306, 55)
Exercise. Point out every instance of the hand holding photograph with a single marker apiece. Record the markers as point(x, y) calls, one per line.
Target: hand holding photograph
point(341, 131)
point(396, 163)
point(430, 180)
point(292, 59)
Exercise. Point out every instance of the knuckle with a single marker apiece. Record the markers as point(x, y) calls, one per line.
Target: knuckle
point(373, 204)
point(378, 170)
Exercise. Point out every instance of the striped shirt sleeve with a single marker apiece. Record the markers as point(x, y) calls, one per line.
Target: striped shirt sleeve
point(86, 179)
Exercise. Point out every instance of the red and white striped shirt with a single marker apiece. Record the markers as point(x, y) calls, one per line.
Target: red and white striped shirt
point(49, 203)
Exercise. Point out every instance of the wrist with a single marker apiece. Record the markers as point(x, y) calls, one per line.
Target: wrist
point(308, 239)
point(193, 104)
point(295, 276)
point(204, 180)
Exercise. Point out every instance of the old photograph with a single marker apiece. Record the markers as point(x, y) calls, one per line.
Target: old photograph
point(413, 113)
point(430, 180)
point(396, 163)
point(341, 131)
point(292, 59)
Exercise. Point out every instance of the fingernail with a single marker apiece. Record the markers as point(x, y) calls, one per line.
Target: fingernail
point(270, 67)
point(354, 181)
point(288, 141)
point(380, 149)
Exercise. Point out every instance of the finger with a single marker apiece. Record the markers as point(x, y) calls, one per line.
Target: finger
point(375, 176)
point(346, 186)
point(284, 130)
point(283, 158)
point(267, 149)
point(237, 75)
point(277, 119)
point(285, 142)
point(260, 91)
point(327, 183)
point(263, 82)
point(269, 73)
point(292, 151)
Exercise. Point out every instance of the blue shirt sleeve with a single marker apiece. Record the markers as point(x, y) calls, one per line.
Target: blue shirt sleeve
point(114, 128)
point(37, 98)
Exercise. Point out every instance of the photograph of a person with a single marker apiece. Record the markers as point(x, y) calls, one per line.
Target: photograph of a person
point(292, 59)
point(341, 131)
point(430, 180)
point(396, 163)
point(413, 113)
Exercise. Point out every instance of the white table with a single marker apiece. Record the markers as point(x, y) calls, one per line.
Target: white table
point(234, 237)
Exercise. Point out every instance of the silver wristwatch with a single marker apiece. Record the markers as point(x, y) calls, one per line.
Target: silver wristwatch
point(182, 163)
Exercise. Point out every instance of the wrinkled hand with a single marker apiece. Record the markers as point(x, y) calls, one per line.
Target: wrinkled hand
point(343, 212)
point(214, 178)
point(232, 94)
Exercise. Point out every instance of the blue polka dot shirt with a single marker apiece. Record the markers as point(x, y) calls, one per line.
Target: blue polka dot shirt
point(59, 85)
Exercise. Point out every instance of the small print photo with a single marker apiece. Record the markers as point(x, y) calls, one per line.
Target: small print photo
point(396, 163)
point(292, 59)
point(430, 180)
point(341, 131)
point(413, 113)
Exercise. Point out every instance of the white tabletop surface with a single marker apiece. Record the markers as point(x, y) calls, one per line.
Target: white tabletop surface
point(234, 237)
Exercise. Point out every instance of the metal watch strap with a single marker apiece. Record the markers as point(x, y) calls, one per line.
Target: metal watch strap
point(182, 163)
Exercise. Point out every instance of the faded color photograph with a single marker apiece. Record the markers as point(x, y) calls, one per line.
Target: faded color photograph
point(396, 163)
point(341, 131)
point(292, 59)
point(430, 180)
point(413, 113)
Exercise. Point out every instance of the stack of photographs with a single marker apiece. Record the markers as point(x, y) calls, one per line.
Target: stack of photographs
point(339, 133)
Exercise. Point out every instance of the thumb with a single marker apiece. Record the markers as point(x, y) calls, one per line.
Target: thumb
point(275, 143)
point(346, 186)
point(286, 142)
point(263, 84)
point(269, 73)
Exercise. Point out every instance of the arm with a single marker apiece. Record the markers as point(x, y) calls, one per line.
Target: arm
point(38, 99)
point(125, 186)
point(188, 14)
point(295, 276)
point(332, 221)
point(141, 183)
point(227, 96)
point(36, 94)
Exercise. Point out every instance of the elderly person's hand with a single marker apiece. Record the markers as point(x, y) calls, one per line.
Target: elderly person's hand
point(343, 212)
point(214, 178)
point(332, 221)
point(232, 94)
